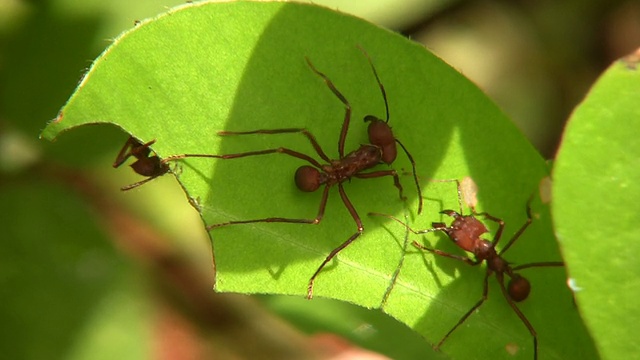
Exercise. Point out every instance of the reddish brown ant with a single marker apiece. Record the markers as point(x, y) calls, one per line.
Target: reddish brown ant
point(466, 231)
point(145, 165)
point(308, 178)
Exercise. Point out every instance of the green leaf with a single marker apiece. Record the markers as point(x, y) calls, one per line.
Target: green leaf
point(596, 205)
point(240, 66)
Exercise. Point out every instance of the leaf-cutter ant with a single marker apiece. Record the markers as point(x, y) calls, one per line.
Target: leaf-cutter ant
point(466, 231)
point(145, 165)
point(309, 178)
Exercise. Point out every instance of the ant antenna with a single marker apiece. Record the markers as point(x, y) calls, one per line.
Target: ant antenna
point(375, 73)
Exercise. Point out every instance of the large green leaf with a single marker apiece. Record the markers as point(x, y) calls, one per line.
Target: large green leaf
point(596, 205)
point(202, 68)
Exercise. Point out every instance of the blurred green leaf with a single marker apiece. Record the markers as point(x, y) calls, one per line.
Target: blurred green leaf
point(389, 13)
point(596, 197)
point(58, 276)
point(202, 68)
point(371, 329)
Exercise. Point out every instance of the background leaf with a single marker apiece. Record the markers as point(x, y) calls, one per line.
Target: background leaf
point(77, 301)
point(596, 202)
point(240, 66)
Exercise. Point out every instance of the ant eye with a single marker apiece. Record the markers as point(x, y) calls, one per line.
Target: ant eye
point(307, 178)
point(518, 288)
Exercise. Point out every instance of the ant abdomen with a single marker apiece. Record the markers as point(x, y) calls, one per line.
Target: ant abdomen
point(308, 178)
point(518, 288)
point(380, 135)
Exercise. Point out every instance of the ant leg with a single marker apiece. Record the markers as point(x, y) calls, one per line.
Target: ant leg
point(417, 232)
point(316, 220)
point(281, 150)
point(440, 227)
point(132, 148)
point(415, 176)
point(437, 227)
point(500, 223)
point(304, 132)
point(538, 264)
point(142, 150)
point(347, 112)
point(125, 153)
point(375, 174)
point(458, 187)
point(523, 318)
point(375, 73)
point(335, 251)
point(522, 228)
point(446, 254)
point(135, 185)
point(485, 292)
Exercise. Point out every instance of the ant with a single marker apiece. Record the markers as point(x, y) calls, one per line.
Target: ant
point(309, 178)
point(466, 231)
point(145, 165)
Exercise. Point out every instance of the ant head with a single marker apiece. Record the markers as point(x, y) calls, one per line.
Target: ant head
point(518, 288)
point(150, 166)
point(380, 135)
point(308, 178)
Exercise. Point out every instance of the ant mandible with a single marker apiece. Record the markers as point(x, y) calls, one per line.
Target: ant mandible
point(466, 231)
point(309, 178)
point(145, 165)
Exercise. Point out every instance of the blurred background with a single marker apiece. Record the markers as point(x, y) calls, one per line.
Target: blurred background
point(89, 272)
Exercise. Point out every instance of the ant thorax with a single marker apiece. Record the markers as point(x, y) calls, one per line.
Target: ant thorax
point(465, 231)
point(365, 157)
point(494, 262)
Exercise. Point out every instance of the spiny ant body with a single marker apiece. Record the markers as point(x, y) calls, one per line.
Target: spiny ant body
point(309, 178)
point(145, 165)
point(466, 231)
